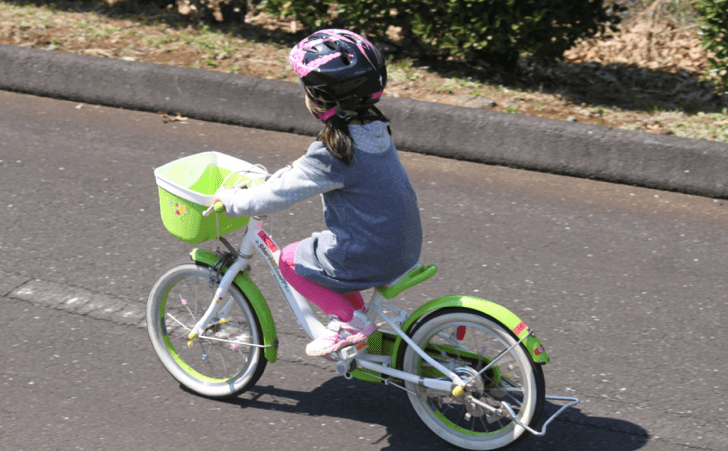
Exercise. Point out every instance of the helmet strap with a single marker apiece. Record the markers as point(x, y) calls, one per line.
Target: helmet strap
point(327, 114)
point(346, 115)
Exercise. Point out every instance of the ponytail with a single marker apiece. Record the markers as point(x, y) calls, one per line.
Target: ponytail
point(335, 135)
point(337, 139)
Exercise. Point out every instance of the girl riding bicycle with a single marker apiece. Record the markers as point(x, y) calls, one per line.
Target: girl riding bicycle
point(374, 232)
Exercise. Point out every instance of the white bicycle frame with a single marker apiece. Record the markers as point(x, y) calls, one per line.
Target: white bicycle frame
point(352, 357)
point(257, 239)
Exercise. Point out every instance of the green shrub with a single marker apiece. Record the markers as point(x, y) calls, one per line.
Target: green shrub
point(494, 31)
point(312, 13)
point(498, 31)
point(714, 34)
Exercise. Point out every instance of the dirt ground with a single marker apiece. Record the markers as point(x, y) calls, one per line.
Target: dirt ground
point(648, 76)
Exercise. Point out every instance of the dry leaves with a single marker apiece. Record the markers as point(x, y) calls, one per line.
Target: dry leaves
point(650, 70)
point(98, 52)
point(657, 45)
point(178, 118)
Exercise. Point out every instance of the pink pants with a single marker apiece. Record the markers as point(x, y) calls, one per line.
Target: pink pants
point(331, 302)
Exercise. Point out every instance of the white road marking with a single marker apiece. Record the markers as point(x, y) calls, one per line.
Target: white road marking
point(80, 301)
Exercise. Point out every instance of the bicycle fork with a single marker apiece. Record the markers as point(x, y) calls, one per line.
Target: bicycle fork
point(224, 286)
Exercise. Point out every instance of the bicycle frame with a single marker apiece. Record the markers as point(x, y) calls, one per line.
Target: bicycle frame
point(257, 239)
point(461, 381)
point(348, 359)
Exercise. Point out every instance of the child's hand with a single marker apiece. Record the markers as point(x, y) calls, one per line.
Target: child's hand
point(216, 197)
point(215, 200)
point(212, 208)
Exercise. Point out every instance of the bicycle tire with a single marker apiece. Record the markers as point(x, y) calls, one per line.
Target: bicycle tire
point(515, 379)
point(218, 364)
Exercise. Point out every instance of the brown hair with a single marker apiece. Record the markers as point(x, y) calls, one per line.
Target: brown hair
point(335, 135)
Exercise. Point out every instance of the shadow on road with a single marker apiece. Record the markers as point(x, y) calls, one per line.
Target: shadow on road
point(387, 406)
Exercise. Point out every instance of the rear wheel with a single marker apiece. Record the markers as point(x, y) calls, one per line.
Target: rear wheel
point(466, 341)
point(227, 358)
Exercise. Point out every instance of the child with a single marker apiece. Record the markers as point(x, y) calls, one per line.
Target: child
point(374, 233)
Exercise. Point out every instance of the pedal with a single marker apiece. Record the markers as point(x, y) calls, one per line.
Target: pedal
point(344, 367)
point(345, 357)
point(346, 353)
point(349, 352)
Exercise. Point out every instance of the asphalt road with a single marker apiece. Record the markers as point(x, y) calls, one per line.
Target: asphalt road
point(625, 287)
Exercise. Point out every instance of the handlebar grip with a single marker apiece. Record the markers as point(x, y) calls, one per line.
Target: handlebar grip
point(217, 208)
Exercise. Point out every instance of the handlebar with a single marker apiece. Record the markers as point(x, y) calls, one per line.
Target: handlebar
point(220, 208)
point(217, 208)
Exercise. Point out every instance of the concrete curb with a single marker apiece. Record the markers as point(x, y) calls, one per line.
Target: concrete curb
point(491, 137)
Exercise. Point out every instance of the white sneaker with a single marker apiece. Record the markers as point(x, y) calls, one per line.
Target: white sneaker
point(341, 335)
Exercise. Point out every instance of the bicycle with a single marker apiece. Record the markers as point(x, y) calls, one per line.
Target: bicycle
point(470, 367)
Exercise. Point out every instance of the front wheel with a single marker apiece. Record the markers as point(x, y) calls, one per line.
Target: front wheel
point(466, 341)
point(227, 358)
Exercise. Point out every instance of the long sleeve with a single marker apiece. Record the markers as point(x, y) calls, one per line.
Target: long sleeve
point(311, 175)
point(373, 227)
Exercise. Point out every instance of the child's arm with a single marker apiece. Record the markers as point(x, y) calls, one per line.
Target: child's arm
point(305, 179)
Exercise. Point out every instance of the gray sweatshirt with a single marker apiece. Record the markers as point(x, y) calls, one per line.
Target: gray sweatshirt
point(370, 208)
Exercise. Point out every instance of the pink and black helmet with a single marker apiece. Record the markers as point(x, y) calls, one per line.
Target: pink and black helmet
point(342, 67)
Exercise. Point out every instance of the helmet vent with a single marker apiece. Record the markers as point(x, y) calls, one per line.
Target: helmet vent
point(343, 65)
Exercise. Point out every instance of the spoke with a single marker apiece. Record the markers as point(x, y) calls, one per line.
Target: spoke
point(238, 326)
point(449, 339)
point(234, 342)
point(503, 422)
point(504, 352)
point(213, 373)
point(513, 386)
point(245, 356)
point(462, 414)
point(224, 333)
point(184, 304)
point(510, 396)
point(222, 359)
point(183, 336)
point(197, 297)
point(485, 427)
point(508, 389)
point(178, 321)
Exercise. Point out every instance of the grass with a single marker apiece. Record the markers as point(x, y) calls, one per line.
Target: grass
point(163, 37)
point(403, 69)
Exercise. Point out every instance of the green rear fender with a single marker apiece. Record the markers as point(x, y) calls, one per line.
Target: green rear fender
point(251, 291)
point(495, 311)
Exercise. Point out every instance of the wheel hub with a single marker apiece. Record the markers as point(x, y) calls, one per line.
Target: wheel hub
point(475, 388)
